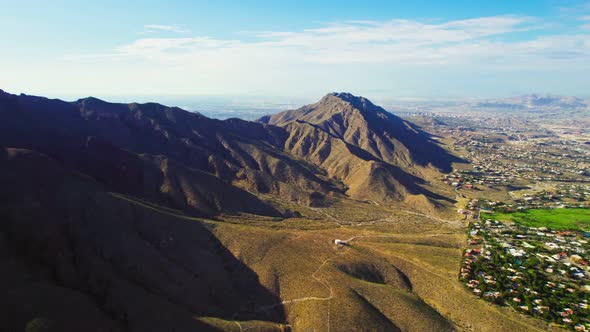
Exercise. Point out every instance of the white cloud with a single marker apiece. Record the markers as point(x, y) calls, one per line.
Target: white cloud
point(480, 40)
point(355, 50)
point(398, 31)
point(150, 46)
point(150, 28)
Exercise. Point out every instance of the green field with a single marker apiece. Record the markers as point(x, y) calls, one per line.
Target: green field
point(552, 218)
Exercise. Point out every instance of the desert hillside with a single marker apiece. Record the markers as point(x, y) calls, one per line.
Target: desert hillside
point(142, 217)
point(376, 154)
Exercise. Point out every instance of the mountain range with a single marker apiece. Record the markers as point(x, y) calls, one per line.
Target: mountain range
point(342, 146)
point(95, 198)
point(537, 101)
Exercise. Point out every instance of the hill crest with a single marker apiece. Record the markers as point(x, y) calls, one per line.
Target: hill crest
point(376, 154)
point(359, 122)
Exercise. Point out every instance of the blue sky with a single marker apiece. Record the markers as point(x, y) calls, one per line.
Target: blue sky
point(425, 49)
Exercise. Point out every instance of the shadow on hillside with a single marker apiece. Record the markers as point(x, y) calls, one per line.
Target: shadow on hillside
point(148, 270)
point(411, 182)
point(423, 148)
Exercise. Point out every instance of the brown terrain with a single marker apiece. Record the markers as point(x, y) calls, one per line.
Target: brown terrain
point(142, 217)
point(377, 155)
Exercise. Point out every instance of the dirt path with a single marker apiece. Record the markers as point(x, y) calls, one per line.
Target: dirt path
point(315, 277)
point(315, 274)
point(307, 298)
point(329, 216)
point(454, 222)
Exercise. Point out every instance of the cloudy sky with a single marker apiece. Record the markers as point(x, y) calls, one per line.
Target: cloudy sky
point(424, 49)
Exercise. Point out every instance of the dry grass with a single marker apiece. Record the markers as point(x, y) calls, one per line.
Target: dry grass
point(415, 257)
point(426, 252)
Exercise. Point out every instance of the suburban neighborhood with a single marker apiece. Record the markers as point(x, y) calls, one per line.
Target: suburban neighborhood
point(538, 271)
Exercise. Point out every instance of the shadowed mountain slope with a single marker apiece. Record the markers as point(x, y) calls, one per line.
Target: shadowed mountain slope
point(167, 155)
point(341, 145)
point(128, 266)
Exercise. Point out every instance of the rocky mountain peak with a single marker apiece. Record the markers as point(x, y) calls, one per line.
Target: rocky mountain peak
point(358, 102)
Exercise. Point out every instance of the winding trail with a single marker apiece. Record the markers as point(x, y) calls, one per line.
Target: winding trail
point(324, 283)
point(433, 217)
point(315, 277)
point(307, 298)
point(329, 216)
point(311, 298)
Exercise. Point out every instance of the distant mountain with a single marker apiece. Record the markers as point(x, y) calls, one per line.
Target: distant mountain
point(375, 153)
point(536, 101)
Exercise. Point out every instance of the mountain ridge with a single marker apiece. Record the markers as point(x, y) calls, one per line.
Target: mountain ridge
point(242, 153)
point(335, 111)
point(256, 157)
point(357, 141)
point(537, 101)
